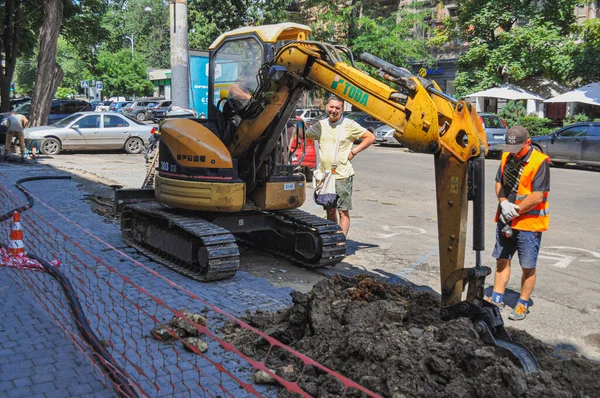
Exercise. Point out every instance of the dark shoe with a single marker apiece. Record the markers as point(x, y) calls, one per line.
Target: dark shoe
point(499, 305)
point(519, 313)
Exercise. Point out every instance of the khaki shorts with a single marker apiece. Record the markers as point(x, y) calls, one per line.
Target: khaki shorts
point(343, 188)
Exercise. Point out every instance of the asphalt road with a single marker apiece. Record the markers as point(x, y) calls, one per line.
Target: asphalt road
point(394, 234)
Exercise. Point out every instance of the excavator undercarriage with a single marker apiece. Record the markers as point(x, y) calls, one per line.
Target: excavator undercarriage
point(203, 246)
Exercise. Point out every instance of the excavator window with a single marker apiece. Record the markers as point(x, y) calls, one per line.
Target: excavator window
point(235, 66)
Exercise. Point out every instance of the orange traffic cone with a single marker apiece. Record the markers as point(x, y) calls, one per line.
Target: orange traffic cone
point(15, 244)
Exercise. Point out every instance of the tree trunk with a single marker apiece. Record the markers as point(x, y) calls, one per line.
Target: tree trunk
point(12, 30)
point(49, 73)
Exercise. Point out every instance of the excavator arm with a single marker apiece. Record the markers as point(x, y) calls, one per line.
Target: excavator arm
point(425, 120)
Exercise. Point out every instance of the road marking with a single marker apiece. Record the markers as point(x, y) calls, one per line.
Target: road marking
point(592, 253)
point(404, 230)
point(564, 260)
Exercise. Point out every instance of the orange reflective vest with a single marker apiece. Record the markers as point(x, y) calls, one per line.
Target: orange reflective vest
point(538, 218)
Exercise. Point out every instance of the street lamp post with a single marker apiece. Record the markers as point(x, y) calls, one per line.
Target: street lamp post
point(146, 9)
point(130, 39)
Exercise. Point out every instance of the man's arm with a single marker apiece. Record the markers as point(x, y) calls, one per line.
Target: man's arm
point(368, 139)
point(314, 131)
point(530, 201)
point(500, 192)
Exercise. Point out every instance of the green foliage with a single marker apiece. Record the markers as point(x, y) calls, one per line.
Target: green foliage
point(65, 92)
point(74, 68)
point(122, 75)
point(513, 40)
point(25, 73)
point(210, 18)
point(512, 112)
point(393, 38)
point(147, 21)
point(587, 55)
point(81, 26)
point(576, 118)
point(535, 125)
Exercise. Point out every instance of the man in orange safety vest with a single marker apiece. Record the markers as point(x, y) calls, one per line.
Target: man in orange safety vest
point(522, 186)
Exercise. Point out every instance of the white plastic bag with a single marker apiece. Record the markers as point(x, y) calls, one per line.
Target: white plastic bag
point(324, 185)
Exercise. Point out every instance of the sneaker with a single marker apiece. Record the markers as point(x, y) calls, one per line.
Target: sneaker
point(519, 313)
point(499, 305)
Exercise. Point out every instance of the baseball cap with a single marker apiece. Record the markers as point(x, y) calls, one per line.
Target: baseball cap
point(515, 138)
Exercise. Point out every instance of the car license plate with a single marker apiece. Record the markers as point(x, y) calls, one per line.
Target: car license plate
point(498, 136)
point(289, 186)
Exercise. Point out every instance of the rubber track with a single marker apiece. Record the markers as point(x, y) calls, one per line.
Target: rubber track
point(222, 249)
point(333, 241)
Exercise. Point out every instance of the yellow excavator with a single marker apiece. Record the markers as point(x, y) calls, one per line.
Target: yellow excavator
point(225, 179)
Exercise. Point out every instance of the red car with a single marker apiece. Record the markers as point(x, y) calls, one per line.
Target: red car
point(299, 146)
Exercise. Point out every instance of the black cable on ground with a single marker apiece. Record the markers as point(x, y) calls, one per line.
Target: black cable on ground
point(29, 204)
point(116, 374)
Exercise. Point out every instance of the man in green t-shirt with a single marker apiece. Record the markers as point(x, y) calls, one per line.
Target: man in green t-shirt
point(326, 132)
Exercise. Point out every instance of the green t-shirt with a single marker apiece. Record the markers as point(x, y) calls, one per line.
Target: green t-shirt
point(326, 133)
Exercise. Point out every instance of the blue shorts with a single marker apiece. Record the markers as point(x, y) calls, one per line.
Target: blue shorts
point(526, 243)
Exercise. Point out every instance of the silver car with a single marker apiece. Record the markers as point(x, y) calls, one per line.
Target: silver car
point(495, 131)
point(384, 135)
point(90, 131)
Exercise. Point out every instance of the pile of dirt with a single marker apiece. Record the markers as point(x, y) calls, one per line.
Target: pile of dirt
point(390, 340)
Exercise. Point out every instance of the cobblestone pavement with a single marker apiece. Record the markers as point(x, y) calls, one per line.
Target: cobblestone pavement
point(37, 358)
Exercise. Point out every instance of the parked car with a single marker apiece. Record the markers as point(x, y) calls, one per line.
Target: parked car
point(310, 115)
point(302, 151)
point(58, 110)
point(103, 106)
point(90, 131)
point(384, 135)
point(117, 106)
point(137, 109)
point(365, 120)
point(14, 102)
point(495, 130)
point(161, 105)
point(122, 110)
point(576, 143)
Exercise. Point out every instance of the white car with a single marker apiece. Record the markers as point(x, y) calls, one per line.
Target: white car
point(384, 135)
point(310, 116)
point(90, 131)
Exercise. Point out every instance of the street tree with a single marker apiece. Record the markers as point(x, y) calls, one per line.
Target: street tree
point(21, 21)
point(210, 18)
point(146, 22)
point(122, 74)
point(49, 74)
point(78, 20)
point(512, 40)
point(586, 68)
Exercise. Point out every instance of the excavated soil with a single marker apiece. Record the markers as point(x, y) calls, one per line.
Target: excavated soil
point(390, 340)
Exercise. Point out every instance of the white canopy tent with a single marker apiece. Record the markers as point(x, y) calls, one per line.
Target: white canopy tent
point(510, 92)
point(589, 94)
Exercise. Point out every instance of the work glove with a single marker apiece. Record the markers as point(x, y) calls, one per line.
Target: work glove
point(509, 210)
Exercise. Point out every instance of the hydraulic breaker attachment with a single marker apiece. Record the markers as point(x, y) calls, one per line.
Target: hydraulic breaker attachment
point(486, 317)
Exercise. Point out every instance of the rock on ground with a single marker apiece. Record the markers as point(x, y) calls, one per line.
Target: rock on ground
point(390, 340)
